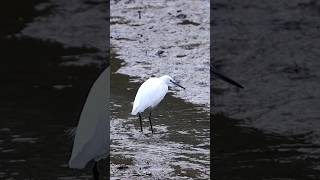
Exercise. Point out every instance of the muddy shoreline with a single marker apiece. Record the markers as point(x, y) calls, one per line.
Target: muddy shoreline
point(179, 148)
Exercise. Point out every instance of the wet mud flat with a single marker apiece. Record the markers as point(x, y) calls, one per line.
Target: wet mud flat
point(271, 48)
point(179, 147)
point(275, 56)
point(44, 85)
point(248, 153)
point(155, 38)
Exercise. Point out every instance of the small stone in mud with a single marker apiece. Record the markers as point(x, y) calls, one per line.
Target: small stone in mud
point(181, 16)
point(180, 56)
point(187, 22)
point(129, 1)
point(121, 167)
point(190, 46)
point(160, 52)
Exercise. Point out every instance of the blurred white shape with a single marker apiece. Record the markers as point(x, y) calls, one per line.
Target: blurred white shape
point(92, 140)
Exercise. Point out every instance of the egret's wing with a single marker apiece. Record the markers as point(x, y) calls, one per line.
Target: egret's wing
point(92, 135)
point(149, 94)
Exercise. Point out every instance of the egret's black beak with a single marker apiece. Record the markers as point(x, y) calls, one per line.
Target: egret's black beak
point(177, 84)
point(227, 79)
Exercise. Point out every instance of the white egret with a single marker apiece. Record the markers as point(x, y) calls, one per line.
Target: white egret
point(149, 95)
point(91, 140)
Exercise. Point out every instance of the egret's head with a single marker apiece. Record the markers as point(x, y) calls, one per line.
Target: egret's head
point(170, 81)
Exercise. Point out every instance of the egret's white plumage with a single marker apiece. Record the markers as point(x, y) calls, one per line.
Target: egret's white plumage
point(150, 94)
point(92, 134)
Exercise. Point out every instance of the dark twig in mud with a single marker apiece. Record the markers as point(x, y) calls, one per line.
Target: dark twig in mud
point(139, 14)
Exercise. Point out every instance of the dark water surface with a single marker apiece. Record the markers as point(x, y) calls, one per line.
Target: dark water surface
point(40, 101)
point(179, 147)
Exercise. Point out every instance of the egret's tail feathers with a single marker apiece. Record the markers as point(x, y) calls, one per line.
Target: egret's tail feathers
point(134, 112)
point(134, 109)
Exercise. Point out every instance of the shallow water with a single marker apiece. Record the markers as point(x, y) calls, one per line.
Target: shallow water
point(179, 147)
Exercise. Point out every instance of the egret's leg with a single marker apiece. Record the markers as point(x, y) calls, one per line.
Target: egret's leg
point(140, 121)
point(95, 171)
point(150, 122)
